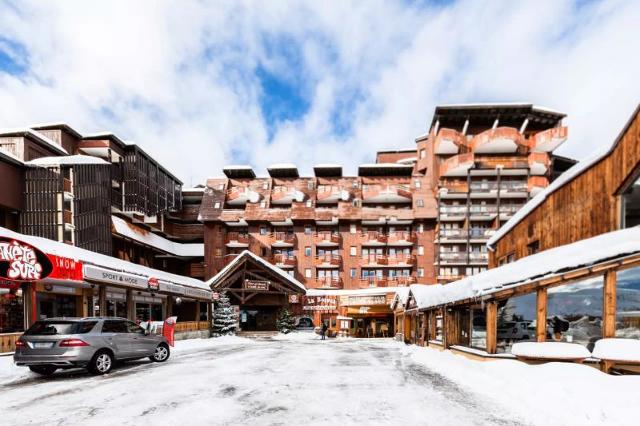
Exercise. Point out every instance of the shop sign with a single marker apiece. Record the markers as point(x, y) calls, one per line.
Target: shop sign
point(215, 296)
point(22, 262)
point(171, 288)
point(153, 284)
point(320, 303)
point(365, 300)
point(294, 298)
point(104, 275)
point(66, 269)
point(256, 285)
point(195, 292)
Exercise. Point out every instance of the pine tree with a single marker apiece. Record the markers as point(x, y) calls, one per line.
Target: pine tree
point(285, 322)
point(224, 317)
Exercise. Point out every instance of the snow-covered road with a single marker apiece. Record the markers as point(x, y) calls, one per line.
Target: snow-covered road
point(294, 381)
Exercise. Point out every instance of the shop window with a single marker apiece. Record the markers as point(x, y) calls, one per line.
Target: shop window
point(516, 321)
point(628, 304)
point(631, 205)
point(11, 310)
point(574, 312)
point(439, 326)
point(478, 328)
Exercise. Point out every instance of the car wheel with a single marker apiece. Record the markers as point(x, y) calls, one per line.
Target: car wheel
point(44, 370)
point(161, 353)
point(101, 363)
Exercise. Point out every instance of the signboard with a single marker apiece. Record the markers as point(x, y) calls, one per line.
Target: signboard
point(22, 262)
point(320, 303)
point(171, 288)
point(198, 293)
point(66, 269)
point(119, 278)
point(368, 300)
point(153, 284)
point(256, 285)
point(215, 296)
point(294, 298)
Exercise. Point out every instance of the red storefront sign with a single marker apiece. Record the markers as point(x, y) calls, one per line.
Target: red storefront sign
point(168, 329)
point(320, 303)
point(22, 262)
point(153, 284)
point(65, 268)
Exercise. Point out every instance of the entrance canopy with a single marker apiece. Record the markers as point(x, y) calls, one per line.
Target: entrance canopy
point(248, 275)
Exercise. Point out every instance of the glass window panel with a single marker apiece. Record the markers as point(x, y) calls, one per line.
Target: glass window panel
point(574, 312)
point(478, 328)
point(628, 304)
point(516, 321)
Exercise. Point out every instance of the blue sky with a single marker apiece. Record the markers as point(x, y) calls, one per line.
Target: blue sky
point(202, 85)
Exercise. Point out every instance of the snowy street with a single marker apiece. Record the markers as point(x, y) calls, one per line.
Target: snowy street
point(293, 380)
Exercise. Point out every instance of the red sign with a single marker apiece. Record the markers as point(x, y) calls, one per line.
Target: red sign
point(153, 284)
point(168, 329)
point(65, 268)
point(215, 296)
point(22, 262)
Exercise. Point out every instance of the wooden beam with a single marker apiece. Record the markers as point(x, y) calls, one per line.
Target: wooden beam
point(491, 312)
point(609, 305)
point(541, 314)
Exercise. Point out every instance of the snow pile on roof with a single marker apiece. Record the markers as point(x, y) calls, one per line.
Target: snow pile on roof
point(128, 230)
point(540, 265)
point(282, 166)
point(327, 166)
point(384, 166)
point(247, 253)
point(359, 292)
point(237, 167)
point(66, 160)
point(96, 259)
point(37, 135)
point(550, 350)
point(623, 350)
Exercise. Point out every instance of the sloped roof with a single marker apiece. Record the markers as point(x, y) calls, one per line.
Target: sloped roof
point(125, 229)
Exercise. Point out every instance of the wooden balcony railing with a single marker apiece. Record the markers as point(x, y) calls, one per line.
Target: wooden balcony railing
point(497, 140)
point(457, 165)
point(369, 282)
point(284, 259)
point(401, 259)
point(282, 238)
point(327, 282)
point(401, 237)
point(374, 259)
point(401, 281)
point(328, 259)
point(373, 237)
point(196, 269)
point(332, 238)
point(449, 141)
point(237, 238)
point(549, 139)
point(191, 326)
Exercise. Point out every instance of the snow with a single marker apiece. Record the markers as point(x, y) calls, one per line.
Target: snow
point(237, 167)
point(401, 297)
point(624, 350)
point(281, 166)
point(566, 177)
point(247, 253)
point(550, 350)
point(327, 166)
point(36, 135)
point(385, 166)
point(544, 264)
point(503, 104)
point(66, 160)
point(125, 229)
point(553, 393)
point(91, 258)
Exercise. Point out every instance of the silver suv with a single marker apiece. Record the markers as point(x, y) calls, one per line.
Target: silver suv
point(93, 343)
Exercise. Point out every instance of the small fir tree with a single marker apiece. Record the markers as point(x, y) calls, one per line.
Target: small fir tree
point(224, 317)
point(285, 322)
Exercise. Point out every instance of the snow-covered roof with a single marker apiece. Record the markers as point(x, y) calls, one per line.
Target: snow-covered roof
point(35, 135)
point(401, 296)
point(359, 292)
point(128, 230)
point(282, 166)
point(66, 160)
point(11, 157)
point(327, 166)
point(258, 259)
point(420, 293)
point(504, 104)
point(384, 166)
point(101, 260)
point(106, 134)
point(56, 124)
point(541, 265)
point(237, 167)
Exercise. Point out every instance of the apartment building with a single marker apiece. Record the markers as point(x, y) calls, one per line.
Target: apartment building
point(484, 162)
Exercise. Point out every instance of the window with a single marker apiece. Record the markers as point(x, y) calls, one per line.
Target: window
point(628, 304)
point(216, 205)
point(263, 230)
point(533, 248)
point(353, 251)
point(265, 185)
point(307, 273)
point(307, 251)
point(516, 321)
point(439, 326)
point(421, 228)
point(308, 230)
point(221, 186)
point(309, 203)
point(310, 184)
point(631, 205)
point(291, 273)
point(263, 204)
point(420, 250)
point(12, 312)
point(417, 183)
point(352, 272)
point(353, 228)
point(420, 202)
point(354, 184)
point(112, 326)
point(574, 312)
point(420, 272)
point(423, 153)
point(218, 252)
point(132, 327)
point(478, 328)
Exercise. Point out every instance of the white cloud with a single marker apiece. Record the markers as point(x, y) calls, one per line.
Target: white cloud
point(180, 78)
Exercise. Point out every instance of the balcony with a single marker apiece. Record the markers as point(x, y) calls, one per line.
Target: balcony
point(239, 195)
point(327, 282)
point(453, 258)
point(478, 257)
point(67, 217)
point(456, 212)
point(373, 260)
point(331, 194)
point(539, 163)
point(548, 140)
point(482, 234)
point(537, 184)
point(284, 260)
point(328, 260)
point(512, 187)
point(448, 142)
point(401, 260)
point(482, 210)
point(327, 239)
point(401, 281)
point(369, 282)
point(453, 234)
point(495, 141)
point(401, 238)
point(282, 239)
point(373, 238)
point(457, 165)
point(283, 195)
point(237, 240)
point(449, 188)
point(484, 186)
point(386, 194)
point(509, 209)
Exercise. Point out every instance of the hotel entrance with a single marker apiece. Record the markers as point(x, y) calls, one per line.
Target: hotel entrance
point(258, 318)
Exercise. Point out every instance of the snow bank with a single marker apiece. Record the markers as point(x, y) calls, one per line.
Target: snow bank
point(297, 335)
point(66, 160)
point(549, 394)
point(550, 350)
point(625, 350)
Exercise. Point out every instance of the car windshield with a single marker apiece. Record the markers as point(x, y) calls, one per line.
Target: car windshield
point(52, 328)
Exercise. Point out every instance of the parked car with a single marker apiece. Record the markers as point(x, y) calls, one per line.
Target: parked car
point(94, 343)
point(305, 324)
point(516, 330)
